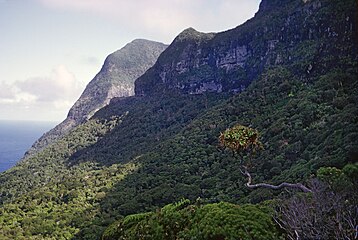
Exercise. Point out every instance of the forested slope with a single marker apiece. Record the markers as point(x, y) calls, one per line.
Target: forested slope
point(141, 153)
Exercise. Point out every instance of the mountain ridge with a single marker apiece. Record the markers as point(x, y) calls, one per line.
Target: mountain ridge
point(115, 79)
point(229, 61)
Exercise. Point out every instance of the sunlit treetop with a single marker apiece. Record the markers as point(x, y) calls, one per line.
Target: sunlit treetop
point(240, 139)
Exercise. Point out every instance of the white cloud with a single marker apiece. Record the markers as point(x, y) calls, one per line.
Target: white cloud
point(40, 96)
point(61, 84)
point(6, 91)
point(10, 94)
point(163, 18)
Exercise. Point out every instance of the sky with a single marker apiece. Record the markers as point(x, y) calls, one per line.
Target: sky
point(50, 49)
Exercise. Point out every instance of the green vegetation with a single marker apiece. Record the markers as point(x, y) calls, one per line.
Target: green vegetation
point(302, 129)
point(51, 164)
point(64, 199)
point(138, 154)
point(60, 209)
point(240, 139)
point(183, 221)
point(175, 151)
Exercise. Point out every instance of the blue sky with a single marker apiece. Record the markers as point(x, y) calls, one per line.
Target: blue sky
point(50, 49)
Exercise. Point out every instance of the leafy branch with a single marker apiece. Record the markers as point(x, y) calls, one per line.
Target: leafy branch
point(244, 140)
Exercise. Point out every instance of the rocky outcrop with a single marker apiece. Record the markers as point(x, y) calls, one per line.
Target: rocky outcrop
point(116, 79)
point(281, 33)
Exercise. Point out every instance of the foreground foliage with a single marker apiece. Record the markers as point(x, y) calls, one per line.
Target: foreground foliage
point(203, 222)
point(330, 212)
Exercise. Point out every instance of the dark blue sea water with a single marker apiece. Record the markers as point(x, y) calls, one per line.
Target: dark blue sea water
point(16, 137)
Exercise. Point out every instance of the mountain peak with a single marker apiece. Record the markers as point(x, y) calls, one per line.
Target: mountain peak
point(115, 79)
point(138, 50)
point(192, 34)
point(141, 41)
point(229, 61)
point(189, 30)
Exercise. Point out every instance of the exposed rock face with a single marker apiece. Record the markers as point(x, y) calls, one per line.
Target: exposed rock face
point(282, 33)
point(116, 79)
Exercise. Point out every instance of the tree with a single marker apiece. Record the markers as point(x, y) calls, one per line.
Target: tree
point(244, 140)
point(331, 212)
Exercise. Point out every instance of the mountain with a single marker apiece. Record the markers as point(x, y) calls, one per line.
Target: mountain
point(294, 34)
point(296, 85)
point(115, 79)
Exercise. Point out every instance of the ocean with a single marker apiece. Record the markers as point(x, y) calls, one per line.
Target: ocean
point(16, 137)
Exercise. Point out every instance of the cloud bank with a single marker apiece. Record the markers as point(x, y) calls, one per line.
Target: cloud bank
point(51, 94)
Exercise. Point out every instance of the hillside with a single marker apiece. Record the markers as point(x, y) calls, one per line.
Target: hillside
point(115, 79)
point(296, 84)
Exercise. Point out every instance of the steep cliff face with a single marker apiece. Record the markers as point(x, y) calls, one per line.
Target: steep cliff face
point(116, 79)
point(293, 32)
